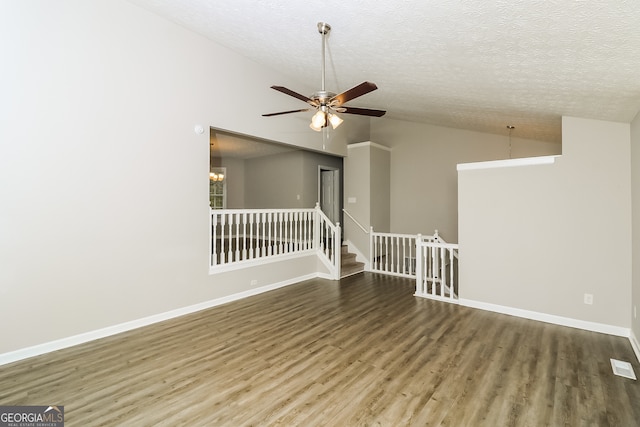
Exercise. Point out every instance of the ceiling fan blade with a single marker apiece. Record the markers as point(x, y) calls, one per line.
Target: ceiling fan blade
point(363, 111)
point(292, 93)
point(354, 92)
point(285, 112)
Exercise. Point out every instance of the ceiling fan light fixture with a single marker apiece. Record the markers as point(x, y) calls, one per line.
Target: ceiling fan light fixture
point(335, 120)
point(319, 120)
point(317, 129)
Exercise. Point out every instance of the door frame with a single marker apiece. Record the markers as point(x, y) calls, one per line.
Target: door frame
point(337, 196)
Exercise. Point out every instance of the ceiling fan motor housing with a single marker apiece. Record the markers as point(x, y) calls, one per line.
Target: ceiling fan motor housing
point(322, 97)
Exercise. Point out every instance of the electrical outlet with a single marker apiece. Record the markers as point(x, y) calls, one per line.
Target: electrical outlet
point(254, 282)
point(588, 299)
point(635, 315)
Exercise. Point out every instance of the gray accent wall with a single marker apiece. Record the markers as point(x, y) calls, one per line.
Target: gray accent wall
point(285, 180)
point(235, 179)
point(274, 181)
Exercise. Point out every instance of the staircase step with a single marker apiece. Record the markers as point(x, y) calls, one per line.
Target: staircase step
point(349, 265)
point(348, 257)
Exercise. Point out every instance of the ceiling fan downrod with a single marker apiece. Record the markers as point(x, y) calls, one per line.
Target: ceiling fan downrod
point(323, 28)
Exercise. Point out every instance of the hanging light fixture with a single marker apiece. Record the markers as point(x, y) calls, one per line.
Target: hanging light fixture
point(216, 177)
point(511, 128)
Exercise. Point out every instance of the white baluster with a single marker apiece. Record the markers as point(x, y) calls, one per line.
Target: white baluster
point(221, 250)
point(308, 230)
point(399, 260)
point(230, 238)
point(441, 269)
point(326, 240)
point(278, 231)
point(452, 274)
point(214, 238)
point(237, 251)
point(385, 251)
point(381, 254)
point(251, 236)
point(304, 237)
point(287, 231)
point(270, 233)
point(294, 232)
point(406, 262)
point(419, 276)
point(244, 235)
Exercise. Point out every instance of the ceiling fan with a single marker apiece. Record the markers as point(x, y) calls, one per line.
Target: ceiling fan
point(328, 103)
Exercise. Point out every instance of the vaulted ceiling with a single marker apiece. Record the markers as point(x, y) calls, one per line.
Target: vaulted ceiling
point(469, 64)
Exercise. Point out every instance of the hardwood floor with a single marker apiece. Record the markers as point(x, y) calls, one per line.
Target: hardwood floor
point(362, 351)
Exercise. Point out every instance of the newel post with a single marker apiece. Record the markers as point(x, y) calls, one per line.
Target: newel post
point(337, 251)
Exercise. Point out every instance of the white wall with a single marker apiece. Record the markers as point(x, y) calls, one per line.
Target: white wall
point(366, 188)
point(635, 188)
point(357, 195)
point(423, 170)
point(103, 180)
point(537, 238)
point(380, 187)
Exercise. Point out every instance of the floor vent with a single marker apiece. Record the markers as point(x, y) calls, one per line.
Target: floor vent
point(623, 369)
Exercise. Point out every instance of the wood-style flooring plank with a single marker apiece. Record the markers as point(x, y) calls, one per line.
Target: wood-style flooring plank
point(359, 352)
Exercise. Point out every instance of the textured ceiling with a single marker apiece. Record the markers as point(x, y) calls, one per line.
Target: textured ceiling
point(469, 64)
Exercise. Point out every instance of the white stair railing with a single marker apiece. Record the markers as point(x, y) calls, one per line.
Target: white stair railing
point(328, 240)
point(243, 236)
point(437, 270)
point(431, 261)
point(395, 253)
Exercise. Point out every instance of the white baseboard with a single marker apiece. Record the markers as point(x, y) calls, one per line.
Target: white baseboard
point(36, 350)
point(549, 318)
point(635, 345)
